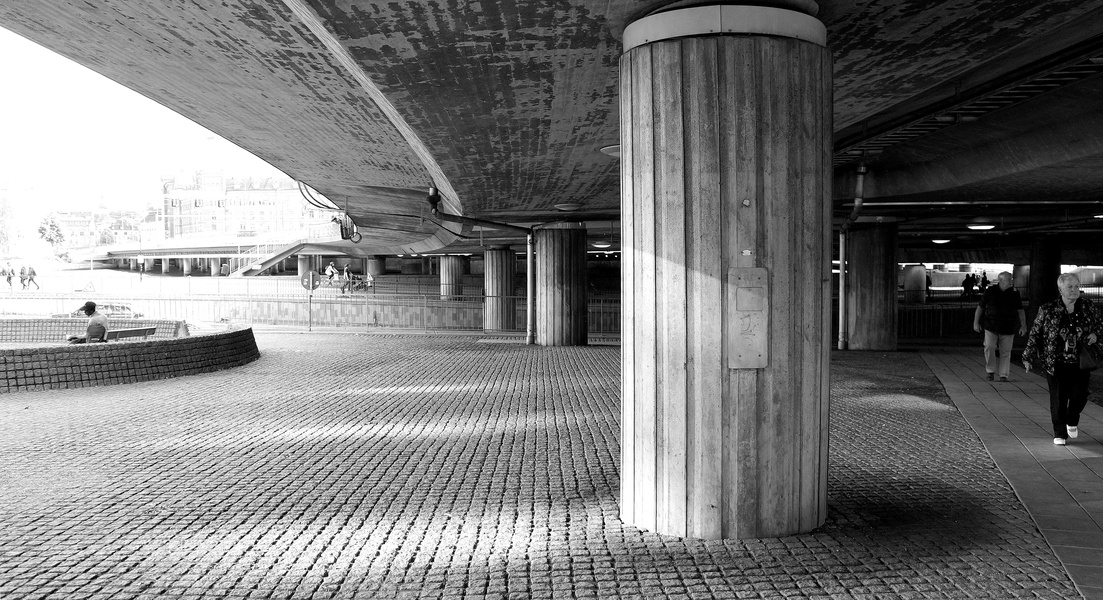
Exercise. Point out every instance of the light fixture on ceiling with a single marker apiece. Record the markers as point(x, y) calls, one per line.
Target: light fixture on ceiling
point(604, 241)
point(980, 224)
point(568, 206)
point(941, 241)
point(1099, 216)
point(613, 150)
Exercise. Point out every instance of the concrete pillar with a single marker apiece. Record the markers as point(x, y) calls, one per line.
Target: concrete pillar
point(561, 295)
point(451, 277)
point(166, 265)
point(1021, 275)
point(215, 267)
point(133, 264)
point(726, 271)
point(915, 284)
point(871, 287)
point(377, 265)
point(150, 262)
point(499, 305)
point(303, 265)
point(185, 263)
point(1045, 268)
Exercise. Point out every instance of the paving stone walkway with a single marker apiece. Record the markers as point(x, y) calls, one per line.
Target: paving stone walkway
point(372, 466)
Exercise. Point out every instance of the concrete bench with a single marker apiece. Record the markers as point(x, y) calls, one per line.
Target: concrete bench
point(118, 334)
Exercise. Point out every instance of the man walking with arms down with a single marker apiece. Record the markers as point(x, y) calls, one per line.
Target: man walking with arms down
point(999, 315)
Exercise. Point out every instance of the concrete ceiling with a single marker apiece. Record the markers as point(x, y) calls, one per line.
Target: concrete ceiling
point(959, 107)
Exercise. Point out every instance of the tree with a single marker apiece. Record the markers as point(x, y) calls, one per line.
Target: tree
point(51, 232)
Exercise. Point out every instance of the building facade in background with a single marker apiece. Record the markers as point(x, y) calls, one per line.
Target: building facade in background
point(206, 204)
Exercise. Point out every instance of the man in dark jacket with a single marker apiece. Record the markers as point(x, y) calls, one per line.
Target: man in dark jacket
point(999, 315)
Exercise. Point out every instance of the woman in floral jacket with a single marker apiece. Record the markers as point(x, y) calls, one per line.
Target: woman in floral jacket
point(1051, 348)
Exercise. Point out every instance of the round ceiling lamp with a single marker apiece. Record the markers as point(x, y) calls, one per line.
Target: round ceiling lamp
point(601, 244)
point(568, 206)
point(980, 224)
point(941, 241)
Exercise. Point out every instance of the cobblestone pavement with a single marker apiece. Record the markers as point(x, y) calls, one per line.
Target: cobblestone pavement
point(443, 467)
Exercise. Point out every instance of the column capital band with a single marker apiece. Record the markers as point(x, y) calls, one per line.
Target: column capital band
point(724, 19)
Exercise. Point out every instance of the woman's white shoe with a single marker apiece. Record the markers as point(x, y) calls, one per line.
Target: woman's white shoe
point(1059, 441)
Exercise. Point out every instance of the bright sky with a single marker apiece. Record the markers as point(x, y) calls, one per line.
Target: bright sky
point(73, 137)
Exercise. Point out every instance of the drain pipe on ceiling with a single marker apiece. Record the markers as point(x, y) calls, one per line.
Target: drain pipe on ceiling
point(859, 194)
point(530, 327)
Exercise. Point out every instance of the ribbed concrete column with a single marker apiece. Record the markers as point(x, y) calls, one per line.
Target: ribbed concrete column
point(185, 263)
point(725, 285)
point(215, 267)
point(915, 284)
point(377, 265)
point(1045, 268)
point(871, 287)
point(561, 295)
point(451, 277)
point(500, 307)
point(1021, 275)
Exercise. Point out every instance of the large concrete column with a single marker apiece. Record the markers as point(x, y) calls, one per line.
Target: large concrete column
point(561, 295)
point(499, 305)
point(215, 267)
point(303, 266)
point(915, 284)
point(150, 262)
point(185, 263)
point(1021, 275)
point(451, 277)
point(377, 265)
point(726, 295)
point(1045, 268)
point(871, 287)
point(133, 264)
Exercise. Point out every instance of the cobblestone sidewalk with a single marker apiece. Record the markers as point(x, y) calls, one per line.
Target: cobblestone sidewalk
point(369, 466)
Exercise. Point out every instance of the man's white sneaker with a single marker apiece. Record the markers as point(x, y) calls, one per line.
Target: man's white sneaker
point(1059, 441)
point(1073, 431)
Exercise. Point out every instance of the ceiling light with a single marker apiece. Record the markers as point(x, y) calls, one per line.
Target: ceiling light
point(980, 224)
point(601, 244)
point(613, 150)
point(941, 241)
point(568, 206)
point(1099, 216)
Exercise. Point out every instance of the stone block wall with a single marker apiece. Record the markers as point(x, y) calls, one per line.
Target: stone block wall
point(86, 365)
point(56, 330)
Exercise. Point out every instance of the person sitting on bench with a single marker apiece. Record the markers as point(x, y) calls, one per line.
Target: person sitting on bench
point(97, 325)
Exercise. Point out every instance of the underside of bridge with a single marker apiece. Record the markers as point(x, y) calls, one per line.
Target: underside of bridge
point(960, 108)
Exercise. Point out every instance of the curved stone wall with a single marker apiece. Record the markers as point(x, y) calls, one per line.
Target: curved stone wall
point(56, 330)
point(86, 365)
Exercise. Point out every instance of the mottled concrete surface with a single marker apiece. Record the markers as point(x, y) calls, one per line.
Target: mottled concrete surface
point(379, 466)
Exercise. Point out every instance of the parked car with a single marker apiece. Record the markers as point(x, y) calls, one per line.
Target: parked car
point(109, 310)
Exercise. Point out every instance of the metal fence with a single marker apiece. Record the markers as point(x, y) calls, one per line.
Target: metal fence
point(324, 308)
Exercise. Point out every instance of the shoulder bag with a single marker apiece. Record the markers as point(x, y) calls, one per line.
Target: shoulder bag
point(1091, 356)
